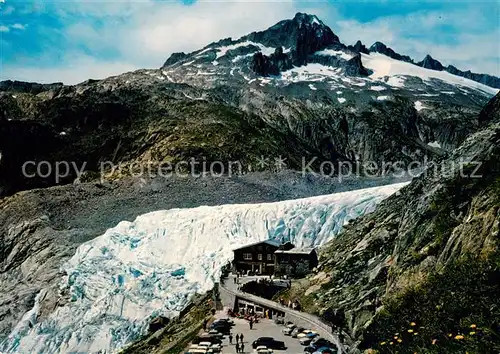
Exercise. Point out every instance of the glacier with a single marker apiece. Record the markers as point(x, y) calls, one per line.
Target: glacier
point(117, 282)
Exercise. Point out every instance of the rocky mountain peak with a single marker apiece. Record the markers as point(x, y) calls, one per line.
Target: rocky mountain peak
point(381, 48)
point(431, 63)
point(359, 47)
point(303, 30)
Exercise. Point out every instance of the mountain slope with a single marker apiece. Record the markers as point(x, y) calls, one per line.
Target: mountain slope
point(320, 101)
point(428, 255)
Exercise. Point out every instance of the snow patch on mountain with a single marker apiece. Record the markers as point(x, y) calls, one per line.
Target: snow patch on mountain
point(419, 106)
point(152, 266)
point(378, 88)
point(384, 66)
point(331, 52)
point(310, 72)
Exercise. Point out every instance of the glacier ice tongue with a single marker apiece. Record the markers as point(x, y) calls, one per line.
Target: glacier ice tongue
point(153, 265)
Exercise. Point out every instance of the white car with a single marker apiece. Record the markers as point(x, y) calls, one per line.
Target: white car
point(262, 349)
point(304, 333)
point(197, 351)
point(205, 346)
point(288, 329)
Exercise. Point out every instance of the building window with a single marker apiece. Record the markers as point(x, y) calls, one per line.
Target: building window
point(247, 256)
point(269, 257)
point(259, 256)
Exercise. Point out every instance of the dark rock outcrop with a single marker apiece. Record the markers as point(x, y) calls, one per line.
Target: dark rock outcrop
point(431, 63)
point(174, 58)
point(381, 48)
point(28, 87)
point(271, 65)
point(359, 48)
point(485, 79)
point(354, 67)
point(158, 323)
point(304, 35)
point(491, 112)
point(304, 30)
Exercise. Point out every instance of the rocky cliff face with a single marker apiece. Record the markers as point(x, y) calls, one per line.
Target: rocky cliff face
point(430, 63)
point(424, 261)
point(380, 47)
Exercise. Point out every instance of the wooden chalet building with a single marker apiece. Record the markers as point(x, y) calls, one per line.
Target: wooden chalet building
point(288, 261)
point(258, 257)
point(266, 257)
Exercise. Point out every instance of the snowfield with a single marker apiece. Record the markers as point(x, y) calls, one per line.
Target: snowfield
point(152, 266)
point(384, 66)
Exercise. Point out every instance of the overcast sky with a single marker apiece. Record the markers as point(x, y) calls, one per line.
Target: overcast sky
point(71, 41)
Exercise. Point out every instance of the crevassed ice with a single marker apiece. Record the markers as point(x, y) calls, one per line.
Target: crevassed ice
point(152, 266)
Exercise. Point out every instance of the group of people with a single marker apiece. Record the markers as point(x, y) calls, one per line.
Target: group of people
point(239, 345)
point(295, 304)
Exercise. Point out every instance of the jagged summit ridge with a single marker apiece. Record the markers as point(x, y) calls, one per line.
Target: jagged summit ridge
point(296, 42)
point(381, 48)
point(431, 63)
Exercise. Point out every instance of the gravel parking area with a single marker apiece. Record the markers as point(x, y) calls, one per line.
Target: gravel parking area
point(265, 328)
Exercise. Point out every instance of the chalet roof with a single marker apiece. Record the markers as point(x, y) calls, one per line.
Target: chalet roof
point(298, 250)
point(268, 242)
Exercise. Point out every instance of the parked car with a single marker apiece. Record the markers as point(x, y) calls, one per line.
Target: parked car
point(308, 338)
point(288, 329)
point(218, 332)
point(210, 347)
point(196, 351)
point(225, 320)
point(296, 331)
point(304, 333)
point(325, 350)
point(320, 342)
point(221, 328)
point(262, 349)
point(205, 337)
point(269, 342)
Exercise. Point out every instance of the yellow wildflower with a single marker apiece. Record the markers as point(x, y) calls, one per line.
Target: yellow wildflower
point(410, 331)
point(459, 337)
point(450, 335)
point(472, 333)
point(391, 343)
point(473, 326)
point(415, 334)
point(413, 324)
point(383, 343)
point(399, 340)
point(434, 341)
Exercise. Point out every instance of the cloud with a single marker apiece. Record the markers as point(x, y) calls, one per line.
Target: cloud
point(4, 28)
point(18, 26)
point(453, 38)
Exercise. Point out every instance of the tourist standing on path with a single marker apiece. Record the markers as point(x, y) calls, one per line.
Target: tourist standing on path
point(231, 338)
point(237, 347)
point(237, 338)
point(251, 323)
point(242, 347)
point(241, 338)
